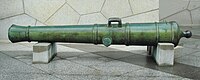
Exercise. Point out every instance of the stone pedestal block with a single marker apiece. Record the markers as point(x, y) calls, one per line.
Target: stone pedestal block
point(43, 52)
point(164, 54)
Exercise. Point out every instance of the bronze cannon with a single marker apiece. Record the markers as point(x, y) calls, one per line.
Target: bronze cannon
point(149, 34)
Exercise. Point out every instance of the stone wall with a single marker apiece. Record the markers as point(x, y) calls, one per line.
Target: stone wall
point(71, 12)
point(183, 11)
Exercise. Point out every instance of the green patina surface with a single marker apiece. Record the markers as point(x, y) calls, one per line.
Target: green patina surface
point(129, 34)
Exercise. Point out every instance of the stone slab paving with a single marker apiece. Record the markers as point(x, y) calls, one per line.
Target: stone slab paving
point(67, 52)
point(183, 70)
point(190, 60)
point(27, 76)
point(10, 65)
point(88, 77)
point(197, 54)
point(183, 51)
point(19, 54)
point(89, 59)
point(133, 49)
point(97, 62)
point(115, 68)
point(101, 50)
point(66, 67)
point(14, 47)
point(86, 65)
point(27, 44)
point(190, 43)
point(146, 73)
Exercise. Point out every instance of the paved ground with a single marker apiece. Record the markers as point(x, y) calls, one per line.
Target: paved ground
point(96, 62)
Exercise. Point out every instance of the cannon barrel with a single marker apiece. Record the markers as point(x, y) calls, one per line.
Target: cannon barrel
point(129, 34)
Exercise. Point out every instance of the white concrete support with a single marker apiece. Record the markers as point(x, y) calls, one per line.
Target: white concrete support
point(43, 52)
point(163, 54)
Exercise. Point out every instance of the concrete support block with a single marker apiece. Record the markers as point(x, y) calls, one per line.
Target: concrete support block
point(164, 54)
point(44, 52)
